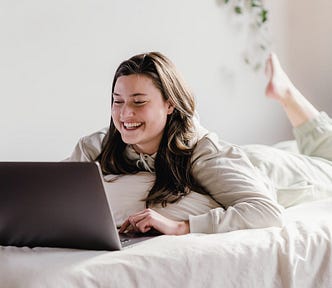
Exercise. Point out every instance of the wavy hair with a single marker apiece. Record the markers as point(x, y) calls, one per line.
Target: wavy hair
point(173, 160)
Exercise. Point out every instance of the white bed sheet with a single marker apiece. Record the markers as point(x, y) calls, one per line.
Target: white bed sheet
point(297, 255)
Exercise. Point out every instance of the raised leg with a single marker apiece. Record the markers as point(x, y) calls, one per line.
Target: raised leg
point(298, 109)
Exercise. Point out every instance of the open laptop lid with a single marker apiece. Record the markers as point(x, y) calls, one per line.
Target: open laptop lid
point(55, 204)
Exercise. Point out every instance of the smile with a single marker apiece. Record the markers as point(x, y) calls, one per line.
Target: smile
point(132, 125)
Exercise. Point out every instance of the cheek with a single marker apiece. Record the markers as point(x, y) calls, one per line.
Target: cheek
point(115, 116)
point(156, 115)
point(114, 111)
point(162, 120)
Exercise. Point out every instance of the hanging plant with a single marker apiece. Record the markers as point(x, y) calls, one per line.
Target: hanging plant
point(254, 5)
point(257, 32)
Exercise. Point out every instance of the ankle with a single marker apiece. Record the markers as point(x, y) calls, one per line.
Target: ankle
point(291, 96)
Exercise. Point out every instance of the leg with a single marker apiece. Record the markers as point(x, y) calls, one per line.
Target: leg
point(312, 129)
point(298, 109)
point(301, 178)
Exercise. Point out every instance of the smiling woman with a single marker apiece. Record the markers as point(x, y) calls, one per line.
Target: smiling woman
point(140, 112)
point(195, 182)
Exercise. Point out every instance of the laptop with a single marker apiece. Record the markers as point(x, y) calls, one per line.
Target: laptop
point(57, 204)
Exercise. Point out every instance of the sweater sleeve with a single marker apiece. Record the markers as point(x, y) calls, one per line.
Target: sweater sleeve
point(247, 198)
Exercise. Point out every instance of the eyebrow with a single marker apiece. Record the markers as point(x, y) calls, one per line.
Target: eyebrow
point(131, 95)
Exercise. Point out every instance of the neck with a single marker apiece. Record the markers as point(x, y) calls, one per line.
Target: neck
point(148, 151)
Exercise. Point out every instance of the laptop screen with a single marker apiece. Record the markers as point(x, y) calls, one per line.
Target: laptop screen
point(55, 204)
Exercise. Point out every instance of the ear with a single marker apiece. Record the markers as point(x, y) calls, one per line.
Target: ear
point(170, 108)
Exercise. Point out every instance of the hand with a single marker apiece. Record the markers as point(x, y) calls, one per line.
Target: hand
point(147, 219)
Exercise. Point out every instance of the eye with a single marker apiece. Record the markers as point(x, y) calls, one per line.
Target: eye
point(139, 102)
point(117, 101)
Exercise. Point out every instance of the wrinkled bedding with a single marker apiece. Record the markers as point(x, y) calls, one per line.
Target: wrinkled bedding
point(297, 255)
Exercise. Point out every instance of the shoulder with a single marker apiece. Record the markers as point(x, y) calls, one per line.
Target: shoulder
point(211, 146)
point(89, 146)
point(94, 139)
point(206, 141)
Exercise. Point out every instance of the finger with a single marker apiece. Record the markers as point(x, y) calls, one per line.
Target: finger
point(134, 219)
point(124, 226)
point(132, 223)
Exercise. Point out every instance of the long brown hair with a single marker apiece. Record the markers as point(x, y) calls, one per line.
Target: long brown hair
point(173, 160)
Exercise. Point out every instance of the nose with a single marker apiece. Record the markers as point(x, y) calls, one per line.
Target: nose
point(127, 110)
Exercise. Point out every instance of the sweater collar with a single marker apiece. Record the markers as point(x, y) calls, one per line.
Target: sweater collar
point(143, 161)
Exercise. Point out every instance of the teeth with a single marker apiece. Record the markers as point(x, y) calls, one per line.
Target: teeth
point(132, 125)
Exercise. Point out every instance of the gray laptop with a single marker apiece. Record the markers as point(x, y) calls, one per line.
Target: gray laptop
point(57, 204)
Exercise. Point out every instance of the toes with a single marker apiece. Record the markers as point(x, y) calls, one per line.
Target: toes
point(268, 67)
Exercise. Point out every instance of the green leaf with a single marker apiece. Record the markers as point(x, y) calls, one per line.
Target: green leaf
point(264, 15)
point(238, 10)
point(226, 1)
point(257, 66)
point(263, 47)
point(256, 3)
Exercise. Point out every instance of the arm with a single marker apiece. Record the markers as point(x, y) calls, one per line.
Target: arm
point(226, 173)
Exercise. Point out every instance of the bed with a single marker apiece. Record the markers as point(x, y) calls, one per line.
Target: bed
point(297, 255)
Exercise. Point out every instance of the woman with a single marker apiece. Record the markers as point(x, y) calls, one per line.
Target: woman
point(155, 154)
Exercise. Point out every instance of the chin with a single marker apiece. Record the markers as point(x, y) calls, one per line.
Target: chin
point(128, 141)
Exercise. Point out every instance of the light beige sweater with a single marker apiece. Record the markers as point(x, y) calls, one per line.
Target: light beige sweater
point(222, 169)
point(245, 180)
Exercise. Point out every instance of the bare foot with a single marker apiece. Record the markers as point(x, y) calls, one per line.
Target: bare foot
point(279, 87)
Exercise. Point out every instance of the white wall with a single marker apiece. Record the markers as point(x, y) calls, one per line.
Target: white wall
point(301, 34)
point(310, 43)
point(57, 60)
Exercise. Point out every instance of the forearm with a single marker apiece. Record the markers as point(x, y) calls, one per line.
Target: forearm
point(251, 215)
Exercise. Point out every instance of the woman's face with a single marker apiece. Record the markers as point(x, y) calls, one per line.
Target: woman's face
point(139, 112)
